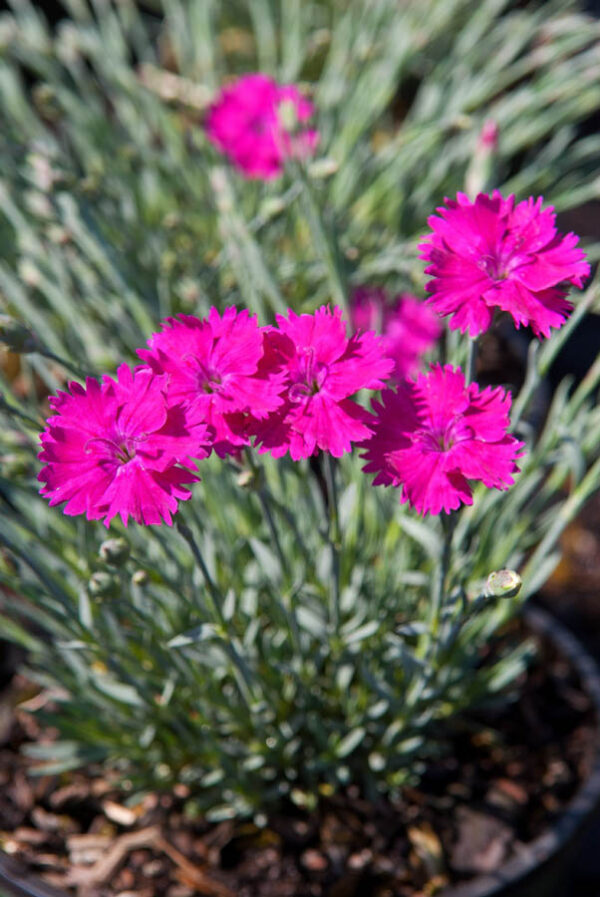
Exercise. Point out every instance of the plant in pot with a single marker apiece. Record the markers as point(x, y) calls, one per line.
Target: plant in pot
point(268, 629)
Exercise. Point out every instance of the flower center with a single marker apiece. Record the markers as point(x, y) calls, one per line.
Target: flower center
point(208, 378)
point(493, 267)
point(443, 438)
point(122, 449)
point(501, 262)
point(310, 376)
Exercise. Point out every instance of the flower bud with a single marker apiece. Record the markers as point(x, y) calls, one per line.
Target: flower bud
point(287, 114)
point(481, 168)
point(16, 336)
point(503, 584)
point(323, 168)
point(114, 552)
point(139, 578)
point(249, 479)
point(101, 583)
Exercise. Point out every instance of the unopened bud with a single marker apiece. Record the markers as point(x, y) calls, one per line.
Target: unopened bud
point(114, 552)
point(272, 207)
point(248, 479)
point(488, 137)
point(16, 336)
point(46, 101)
point(139, 578)
point(503, 584)
point(29, 274)
point(287, 114)
point(323, 168)
point(14, 465)
point(101, 583)
point(481, 168)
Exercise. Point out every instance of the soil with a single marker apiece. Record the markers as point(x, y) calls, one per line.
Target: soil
point(508, 772)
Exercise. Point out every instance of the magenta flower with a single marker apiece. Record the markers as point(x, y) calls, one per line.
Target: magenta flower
point(323, 368)
point(492, 254)
point(434, 435)
point(217, 371)
point(115, 448)
point(409, 327)
point(249, 123)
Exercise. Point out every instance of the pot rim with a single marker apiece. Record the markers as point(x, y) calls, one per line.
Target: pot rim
point(585, 801)
point(19, 883)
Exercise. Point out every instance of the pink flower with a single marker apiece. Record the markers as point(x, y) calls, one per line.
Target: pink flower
point(217, 371)
point(491, 254)
point(435, 434)
point(249, 123)
point(409, 327)
point(115, 448)
point(323, 368)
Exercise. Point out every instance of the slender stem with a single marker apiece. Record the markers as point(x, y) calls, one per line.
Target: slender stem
point(213, 590)
point(264, 499)
point(428, 646)
point(334, 538)
point(471, 360)
point(243, 675)
point(46, 353)
point(324, 240)
point(12, 409)
point(439, 589)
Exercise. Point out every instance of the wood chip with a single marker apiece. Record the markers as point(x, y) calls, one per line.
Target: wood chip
point(191, 874)
point(428, 848)
point(482, 842)
point(76, 791)
point(104, 868)
point(87, 849)
point(118, 813)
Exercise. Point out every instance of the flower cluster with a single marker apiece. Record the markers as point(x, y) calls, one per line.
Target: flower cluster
point(259, 124)
point(410, 328)
point(129, 446)
point(492, 254)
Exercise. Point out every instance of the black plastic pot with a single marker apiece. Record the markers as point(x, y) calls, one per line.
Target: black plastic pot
point(542, 868)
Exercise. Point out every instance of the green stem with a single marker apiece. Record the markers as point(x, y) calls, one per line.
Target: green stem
point(13, 410)
point(334, 538)
point(324, 240)
point(244, 677)
point(439, 586)
point(266, 499)
point(471, 360)
point(213, 590)
point(81, 374)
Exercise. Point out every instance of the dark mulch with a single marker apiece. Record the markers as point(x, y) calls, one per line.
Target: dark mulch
point(507, 773)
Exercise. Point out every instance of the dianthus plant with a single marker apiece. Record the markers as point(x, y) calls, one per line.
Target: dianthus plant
point(266, 622)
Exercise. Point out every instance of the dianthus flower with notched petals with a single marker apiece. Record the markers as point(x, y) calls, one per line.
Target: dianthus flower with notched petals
point(249, 123)
point(409, 327)
point(216, 368)
point(323, 367)
point(493, 253)
point(116, 448)
point(433, 435)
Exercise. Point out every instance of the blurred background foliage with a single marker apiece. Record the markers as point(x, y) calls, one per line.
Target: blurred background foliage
point(115, 212)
